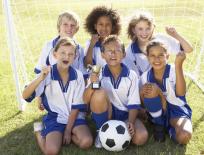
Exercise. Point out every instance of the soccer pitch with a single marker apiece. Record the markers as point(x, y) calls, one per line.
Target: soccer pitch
point(36, 24)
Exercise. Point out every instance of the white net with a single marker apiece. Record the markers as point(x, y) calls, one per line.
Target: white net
point(35, 23)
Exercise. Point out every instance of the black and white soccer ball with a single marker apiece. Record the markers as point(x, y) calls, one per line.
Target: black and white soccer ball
point(114, 135)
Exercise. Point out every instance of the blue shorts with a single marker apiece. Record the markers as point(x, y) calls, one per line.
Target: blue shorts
point(119, 114)
point(50, 124)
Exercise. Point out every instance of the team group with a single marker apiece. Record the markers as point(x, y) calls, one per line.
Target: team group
point(135, 82)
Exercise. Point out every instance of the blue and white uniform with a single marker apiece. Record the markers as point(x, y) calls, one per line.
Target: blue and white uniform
point(123, 93)
point(136, 60)
point(47, 58)
point(59, 99)
point(96, 55)
point(176, 105)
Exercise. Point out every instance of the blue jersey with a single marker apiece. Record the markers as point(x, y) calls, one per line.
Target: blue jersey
point(47, 57)
point(59, 99)
point(123, 93)
point(136, 60)
point(96, 55)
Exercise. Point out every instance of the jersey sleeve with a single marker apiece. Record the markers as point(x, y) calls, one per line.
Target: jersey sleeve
point(40, 89)
point(78, 93)
point(172, 44)
point(133, 95)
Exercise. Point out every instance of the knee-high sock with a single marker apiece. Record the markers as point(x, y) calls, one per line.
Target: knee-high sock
point(100, 118)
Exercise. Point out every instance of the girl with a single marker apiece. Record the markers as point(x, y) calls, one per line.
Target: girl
point(141, 31)
point(100, 23)
point(163, 94)
point(61, 88)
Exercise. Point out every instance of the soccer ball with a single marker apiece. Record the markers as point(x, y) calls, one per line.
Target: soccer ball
point(114, 135)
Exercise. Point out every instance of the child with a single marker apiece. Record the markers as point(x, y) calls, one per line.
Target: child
point(118, 97)
point(67, 26)
point(100, 23)
point(140, 31)
point(61, 88)
point(163, 94)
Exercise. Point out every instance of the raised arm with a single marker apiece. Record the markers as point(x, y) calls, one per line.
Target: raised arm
point(187, 47)
point(28, 91)
point(89, 52)
point(180, 80)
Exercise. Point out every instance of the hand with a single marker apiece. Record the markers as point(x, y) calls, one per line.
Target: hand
point(150, 90)
point(131, 129)
point(94, 77)
point(180, 57)
point(44, 72)
point(171, 31)
point(67, 136)
point(94, 39)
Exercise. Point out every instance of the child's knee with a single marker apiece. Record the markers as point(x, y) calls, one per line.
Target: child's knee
point(140, 138)
point(51, 151)
point(86, 142)
point(183, 137)
point(99, 100)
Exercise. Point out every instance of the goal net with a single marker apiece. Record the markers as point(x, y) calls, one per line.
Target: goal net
point(30, 24)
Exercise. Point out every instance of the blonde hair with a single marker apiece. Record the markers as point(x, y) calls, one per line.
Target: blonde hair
point(66, 41)
point(136, 18)
point(69, 15)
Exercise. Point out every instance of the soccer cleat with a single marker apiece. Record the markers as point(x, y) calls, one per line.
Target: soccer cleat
point(38, 126)
point(159, 134)
point(97, 142)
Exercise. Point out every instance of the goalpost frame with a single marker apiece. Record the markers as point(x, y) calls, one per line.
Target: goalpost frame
point(12, 41)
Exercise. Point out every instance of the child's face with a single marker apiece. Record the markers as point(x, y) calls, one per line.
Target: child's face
point(65, 56)
point(113, 53)
point(143, 31)
point(157, 57)
point(103, 26)
point(67, 28)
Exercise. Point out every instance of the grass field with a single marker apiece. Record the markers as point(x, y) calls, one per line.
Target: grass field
point(36, 24)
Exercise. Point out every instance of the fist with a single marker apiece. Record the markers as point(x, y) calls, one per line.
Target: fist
point(94, 38)
point(180, 57)
point(44, 72)
point(171, 31)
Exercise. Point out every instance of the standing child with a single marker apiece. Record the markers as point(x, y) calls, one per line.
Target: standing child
point(67, 26)
point(118, 97)
point(141, 31)
point(163, 94)
point(61, 88)
point(100, 23)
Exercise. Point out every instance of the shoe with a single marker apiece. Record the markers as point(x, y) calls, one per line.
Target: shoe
point(38, 126)
point(97, 142)
point(159, 134)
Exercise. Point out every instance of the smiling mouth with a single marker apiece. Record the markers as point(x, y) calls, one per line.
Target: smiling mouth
point(65, 62)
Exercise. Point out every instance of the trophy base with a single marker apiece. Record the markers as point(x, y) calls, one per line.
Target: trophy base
point(95, 85)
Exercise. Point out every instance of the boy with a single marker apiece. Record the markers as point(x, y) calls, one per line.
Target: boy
point(61, 88)
point(118, 98)
point(163, 94)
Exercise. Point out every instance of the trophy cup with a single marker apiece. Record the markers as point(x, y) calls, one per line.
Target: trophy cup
point(95, 69)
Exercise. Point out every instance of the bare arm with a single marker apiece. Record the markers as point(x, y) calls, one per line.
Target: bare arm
point(88, 57)
point(180, 80)
point(67, 133)
point(28, 91)
point(187, 47)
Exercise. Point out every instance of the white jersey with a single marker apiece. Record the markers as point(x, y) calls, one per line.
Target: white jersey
point(123, 93)
point(136, 60)
point(47, 57)
point(96, 55)
point(58, 99)
point(168, 85)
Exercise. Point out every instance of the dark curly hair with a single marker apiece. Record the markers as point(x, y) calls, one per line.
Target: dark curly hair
point(100, 11)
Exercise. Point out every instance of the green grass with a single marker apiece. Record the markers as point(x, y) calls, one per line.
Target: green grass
point(16, 128)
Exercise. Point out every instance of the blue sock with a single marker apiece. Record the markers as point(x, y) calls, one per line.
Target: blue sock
point(100, 118)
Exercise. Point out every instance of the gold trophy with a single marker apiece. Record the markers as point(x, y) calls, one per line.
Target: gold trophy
point(95, 69)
